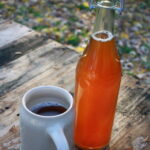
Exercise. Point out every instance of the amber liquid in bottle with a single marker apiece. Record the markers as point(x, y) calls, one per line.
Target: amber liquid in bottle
point(98, 76)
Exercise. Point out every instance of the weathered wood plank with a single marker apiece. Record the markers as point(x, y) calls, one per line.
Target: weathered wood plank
point(125, 127)
point(132, 115)
point(32, 64)
point(16, 39)
point(11, 31)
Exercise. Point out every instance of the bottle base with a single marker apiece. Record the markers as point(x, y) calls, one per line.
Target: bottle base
point(80, 148)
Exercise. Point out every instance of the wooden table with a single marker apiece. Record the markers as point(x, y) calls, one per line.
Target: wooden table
point(28, 60)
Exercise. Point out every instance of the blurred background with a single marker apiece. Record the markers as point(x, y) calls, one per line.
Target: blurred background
point(70, 22)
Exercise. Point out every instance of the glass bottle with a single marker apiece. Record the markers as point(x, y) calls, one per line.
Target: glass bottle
point(98, 77)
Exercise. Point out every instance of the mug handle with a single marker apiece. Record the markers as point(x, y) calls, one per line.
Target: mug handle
point(58, 137)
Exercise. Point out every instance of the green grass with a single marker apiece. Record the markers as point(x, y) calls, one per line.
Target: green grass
point(40, 27)
point(125, 50)
point(34, 12)
point(130, 73)
point(73, 40)
point(1, 5)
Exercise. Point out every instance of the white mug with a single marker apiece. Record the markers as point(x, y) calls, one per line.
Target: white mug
point(46, 132)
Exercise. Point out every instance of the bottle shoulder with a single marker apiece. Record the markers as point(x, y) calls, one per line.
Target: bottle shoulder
point(99, 71)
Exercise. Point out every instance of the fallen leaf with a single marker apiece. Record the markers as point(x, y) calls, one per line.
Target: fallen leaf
point(124, 35)
point(79, 49)
point(86, 4)
point(47, 30)
point(39, 19)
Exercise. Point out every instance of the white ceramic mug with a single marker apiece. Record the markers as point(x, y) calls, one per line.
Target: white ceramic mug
point(46, 132)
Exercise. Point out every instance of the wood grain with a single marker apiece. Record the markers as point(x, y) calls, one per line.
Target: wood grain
point(51, 54)
point(11, 31)
point(16, 39)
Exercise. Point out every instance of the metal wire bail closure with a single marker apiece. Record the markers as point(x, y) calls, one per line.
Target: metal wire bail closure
point(95, 4)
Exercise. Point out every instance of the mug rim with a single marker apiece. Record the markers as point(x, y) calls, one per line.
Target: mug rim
point(49, 86)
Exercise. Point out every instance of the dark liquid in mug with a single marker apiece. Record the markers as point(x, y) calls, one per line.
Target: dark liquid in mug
point(48, 109)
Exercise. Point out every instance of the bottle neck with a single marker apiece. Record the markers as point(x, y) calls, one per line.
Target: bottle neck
point(104, 18)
